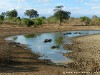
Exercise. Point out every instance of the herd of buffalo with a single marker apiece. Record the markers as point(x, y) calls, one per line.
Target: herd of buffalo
point(57, 46)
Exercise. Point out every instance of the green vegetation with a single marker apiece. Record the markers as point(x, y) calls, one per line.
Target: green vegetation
point(39, 21)
point(59, 40)
point(31, 13)
point(12, 13)
point(30, 36)
point(60, 16)
point(1, 18)
point(85, 20)
point(27, 22)
point(51, 20)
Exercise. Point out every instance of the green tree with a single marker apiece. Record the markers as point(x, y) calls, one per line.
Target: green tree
point(3, 14)
point(60, 14)
point(85, 19)
point(94, 16)
point(31, 13)
point(12, 13)
point(1, 18)
point(43, 17)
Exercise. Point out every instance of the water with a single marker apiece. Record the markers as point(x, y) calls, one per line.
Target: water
point(37, 44)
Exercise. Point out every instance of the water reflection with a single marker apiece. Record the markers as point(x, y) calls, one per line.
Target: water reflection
point(31, 35)
point(15, 38)
point(51, 50)
point(59, 40)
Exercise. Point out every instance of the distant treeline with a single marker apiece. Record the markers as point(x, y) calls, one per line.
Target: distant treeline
point(60, 16)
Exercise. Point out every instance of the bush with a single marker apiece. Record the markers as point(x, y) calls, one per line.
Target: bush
point(52, 20)
point(1, 18)
point(85, 19)
point(95, 21)
point(16, 20)
point(27, 22)
point(38, 21)
point(13, 21)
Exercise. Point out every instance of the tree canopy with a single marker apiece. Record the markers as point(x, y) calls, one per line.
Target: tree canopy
point(12, 13)
point(1, 17)
point(60, 14)
point(31, 13)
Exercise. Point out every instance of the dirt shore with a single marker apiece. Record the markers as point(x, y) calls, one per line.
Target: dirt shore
point(85, 53)
point(16, 60)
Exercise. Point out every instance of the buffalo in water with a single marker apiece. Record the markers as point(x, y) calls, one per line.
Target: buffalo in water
point(77, 33)
point(57, 46)
point(67, 33)
point(47, 40)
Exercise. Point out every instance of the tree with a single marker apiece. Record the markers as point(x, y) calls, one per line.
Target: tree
point(85, 19)
point(1, 18)
point(3, 14)
point(94, 16)
point(12, 13)
point(31, 13)
point(43, 17)
point(60, 14)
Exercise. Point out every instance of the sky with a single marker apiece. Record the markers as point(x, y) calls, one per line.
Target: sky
point(77, 8)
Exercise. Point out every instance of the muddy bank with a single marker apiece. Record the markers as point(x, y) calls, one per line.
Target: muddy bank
point(17, 60)
point(85, 53)
point(22, 61)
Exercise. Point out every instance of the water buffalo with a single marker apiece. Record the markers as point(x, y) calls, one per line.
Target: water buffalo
point(47, 40)
point(57, 46)
point(67, 33)
point(77, 33)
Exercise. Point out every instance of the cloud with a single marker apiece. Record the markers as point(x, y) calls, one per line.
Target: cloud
point(22, 5)
point(45, 1)
point(20, 0)
point(76, 7)
point(81, 0)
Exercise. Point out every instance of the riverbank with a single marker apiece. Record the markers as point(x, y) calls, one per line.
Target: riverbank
point(86, 53)
point(22, 57)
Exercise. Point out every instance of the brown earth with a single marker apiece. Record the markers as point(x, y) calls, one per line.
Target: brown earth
point(85, 53)
point(16, 60)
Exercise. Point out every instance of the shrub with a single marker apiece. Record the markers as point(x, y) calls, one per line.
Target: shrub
point(95, 21)
point(38, 21)
point(14, 20)
point(27, 22)
point(85, 19)
point(1, 18)
point(52, 20)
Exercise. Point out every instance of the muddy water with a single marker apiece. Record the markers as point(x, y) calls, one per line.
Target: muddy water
point(50, 49)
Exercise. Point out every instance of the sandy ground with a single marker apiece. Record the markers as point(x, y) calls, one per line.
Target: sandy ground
point(86, 54)
point(24, 62)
